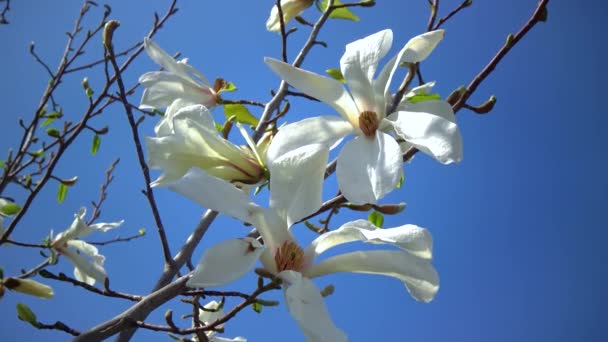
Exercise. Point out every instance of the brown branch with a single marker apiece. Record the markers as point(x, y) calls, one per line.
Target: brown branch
point(103, 192)
point(464, 4)
point(58, 326)
point(117, 239)
point(106, 292)
point(283, 34)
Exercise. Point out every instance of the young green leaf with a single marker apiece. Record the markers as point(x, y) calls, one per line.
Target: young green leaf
point(336, 74)
point(10, 209)
point(424, 97)
point(376, 219)
point(340, 13)
point(26, 314)
point(62, 192)
point(242, 114)
point(257, 307)
point(95, 145)
point(53, 132)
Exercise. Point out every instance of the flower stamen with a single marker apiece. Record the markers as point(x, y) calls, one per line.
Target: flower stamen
point(289, 257)
point(368, 123)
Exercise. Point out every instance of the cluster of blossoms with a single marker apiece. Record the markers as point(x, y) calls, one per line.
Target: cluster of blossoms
point(200, 164)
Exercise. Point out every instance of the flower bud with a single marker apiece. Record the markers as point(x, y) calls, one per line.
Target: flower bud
point(290, 9)
point(28, 286)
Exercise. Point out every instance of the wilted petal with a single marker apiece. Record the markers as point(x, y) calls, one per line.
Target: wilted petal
point(358, 65)
point(368, 169)
point(214, 193)
point(430, 127)
point(418, 241)
point(307, 307)
point(226, 262)
point(322, 88)
point(418, 275)
point(296, 180)
point(325, 130)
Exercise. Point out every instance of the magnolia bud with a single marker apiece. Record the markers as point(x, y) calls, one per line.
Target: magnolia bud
point(28, 286)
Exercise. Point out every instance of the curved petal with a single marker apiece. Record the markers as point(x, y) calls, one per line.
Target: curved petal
point(369, 169)
point(296, 180)
point(226, 262)
point(274, 232)
point(162, 58)
point(85, 268)
point(78, 275)
point(358, 65)
point(214, 193)
point(224, 339)
point(326, 130)
point(165, 125)
point(162, 88)
point(322, 88)
point(212, 312)
point(105, 226)
point(430, 126)
point(415, 50)
point(78, 228)
point(418, 275)
point(290, 9)
point(307, 307)
point(418, 241)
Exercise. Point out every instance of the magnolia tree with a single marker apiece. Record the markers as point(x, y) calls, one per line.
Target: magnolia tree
point(383, 114)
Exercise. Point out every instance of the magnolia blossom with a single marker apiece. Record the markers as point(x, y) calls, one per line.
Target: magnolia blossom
point(178, 80)
point(67, 243)
point(210, 313)
point(292, 198)
point(290, 9)
point(191, 140)
point(370, 165)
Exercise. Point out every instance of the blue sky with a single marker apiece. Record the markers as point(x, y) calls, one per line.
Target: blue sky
point(518, 225)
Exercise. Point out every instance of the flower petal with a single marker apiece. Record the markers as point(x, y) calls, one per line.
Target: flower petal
point(418, 275)
point(162, 58)
point(326, 130)
point(214, 193)
point(369, 169)
point(274, 232)
point(162, 88)
point(226, 262)
point(296, 180)
point(211, 313)
point(430, 126)
point(165, 125)
point(307, 307)
point(290, 9)
point(358, 65)
point(418, 241)
point(85, 268)
point(322, 88)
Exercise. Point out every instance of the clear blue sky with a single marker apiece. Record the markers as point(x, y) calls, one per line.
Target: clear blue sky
point(518, 226)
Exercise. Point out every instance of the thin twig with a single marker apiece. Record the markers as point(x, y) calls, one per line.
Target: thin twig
point(58, 326)
point(106, 292)
point(117, 239)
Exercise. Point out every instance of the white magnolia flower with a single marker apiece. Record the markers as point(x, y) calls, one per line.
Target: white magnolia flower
point(84, 270)
point(292, 198)
point(370, 165)
point(290, 9)
point(178, 80)
point(211, 312)
point(191, 140)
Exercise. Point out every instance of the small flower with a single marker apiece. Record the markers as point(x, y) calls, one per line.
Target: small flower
point(210, 313)
point(84, 270)
point(178, 80)
point(191, 140)
point(290, 9)
point(369, 166)
point(292, 198)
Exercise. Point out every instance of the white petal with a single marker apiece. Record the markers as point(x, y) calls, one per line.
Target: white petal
point(418, 241)
point(290, 9)
point(83, 277)
point(296, 180)
point(214, 193)
point(105, 226)
point(307, 307)
point(415, 50)
point(322, 88)
point(94, 270)
point(211, 314)
point(369, 169)
point(274, 232)
point(223, 339)
point(326, 130)
point(162, 58)
point(430, 126)
point(225, 262)
point(165, 125)
point(162, 88)
point(418, 275)
point(358, 65)
point(78, 228)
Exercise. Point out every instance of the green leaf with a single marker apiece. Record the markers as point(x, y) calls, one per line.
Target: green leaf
point(340, 13)
point(229, 87)
point(376, 219)
point(62, 192)
point(218, 127)
point(89, 92)
point(257, 307)
point(336, 74)
point(26, 314)
point(53, 132)
point(1, 163)
point(95, 145)
point(424, 97)
point(242, 114)
point(47, 122)
point(39, 153)
point(10, 209)
point(400, 183)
